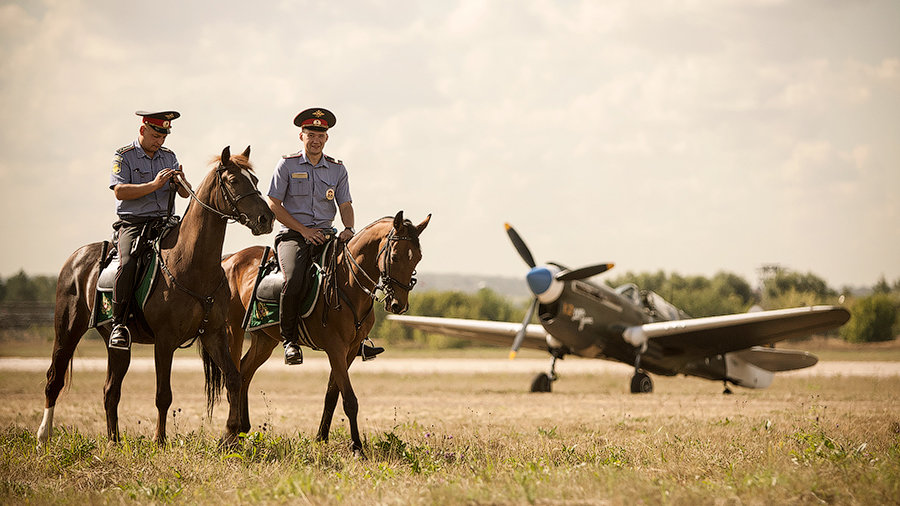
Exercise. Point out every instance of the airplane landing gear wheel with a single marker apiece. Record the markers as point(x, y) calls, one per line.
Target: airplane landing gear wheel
point(541, 383)
point(641, 383)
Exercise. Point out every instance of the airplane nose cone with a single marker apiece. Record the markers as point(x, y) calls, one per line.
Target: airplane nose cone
point(543, 283)
point(539, 279)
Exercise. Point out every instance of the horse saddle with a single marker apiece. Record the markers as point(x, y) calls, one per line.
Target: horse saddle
point(145, 277)
point(263, 310)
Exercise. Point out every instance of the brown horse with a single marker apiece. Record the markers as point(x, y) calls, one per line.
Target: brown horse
point(387, 249)
point(190, 299)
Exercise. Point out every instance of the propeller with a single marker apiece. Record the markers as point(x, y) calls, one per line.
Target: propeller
point(542, 279)
point(584, 272)
point(520, 335)
point(520, 245)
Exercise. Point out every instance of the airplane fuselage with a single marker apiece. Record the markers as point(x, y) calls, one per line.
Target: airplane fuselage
point(589, 319)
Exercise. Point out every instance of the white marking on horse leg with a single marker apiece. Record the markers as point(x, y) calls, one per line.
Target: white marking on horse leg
point(46, 429)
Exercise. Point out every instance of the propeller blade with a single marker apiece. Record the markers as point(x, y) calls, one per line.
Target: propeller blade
point(520, 335)
point(583, 272)
point(520, 245)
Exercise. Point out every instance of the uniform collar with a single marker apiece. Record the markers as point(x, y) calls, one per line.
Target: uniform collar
point(323, 162)
point(141, 152)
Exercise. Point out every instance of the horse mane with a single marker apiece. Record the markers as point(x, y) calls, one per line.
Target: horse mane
point(414, 232)
point(241, 161)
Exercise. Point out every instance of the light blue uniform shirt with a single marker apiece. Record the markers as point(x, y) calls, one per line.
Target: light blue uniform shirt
point(310, 192)
point(131, 165)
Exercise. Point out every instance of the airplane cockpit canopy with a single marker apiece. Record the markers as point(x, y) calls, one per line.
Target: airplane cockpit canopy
point(630, 291)
point(654, 305)
point(660, 308)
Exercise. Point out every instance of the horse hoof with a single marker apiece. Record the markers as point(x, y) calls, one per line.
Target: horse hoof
point(229, 441)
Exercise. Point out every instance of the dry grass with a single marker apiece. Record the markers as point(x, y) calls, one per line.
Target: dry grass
point(436, 439)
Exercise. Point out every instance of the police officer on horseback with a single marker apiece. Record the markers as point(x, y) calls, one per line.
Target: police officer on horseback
point(144, 177)
point(305, 188)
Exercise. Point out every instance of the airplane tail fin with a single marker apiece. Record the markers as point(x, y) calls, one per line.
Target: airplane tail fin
point(777, 360)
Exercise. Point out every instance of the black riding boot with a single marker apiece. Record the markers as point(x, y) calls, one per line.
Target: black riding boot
point(289, 307)
point(368, 352)
point(120, 338)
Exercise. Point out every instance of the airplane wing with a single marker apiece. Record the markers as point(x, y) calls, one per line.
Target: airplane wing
point(676, 343)
point(499, 333)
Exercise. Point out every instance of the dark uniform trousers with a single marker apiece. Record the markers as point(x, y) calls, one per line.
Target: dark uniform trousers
point(294, 257)
point(130, 249)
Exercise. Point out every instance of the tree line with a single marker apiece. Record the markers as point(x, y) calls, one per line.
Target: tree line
point(875, 316)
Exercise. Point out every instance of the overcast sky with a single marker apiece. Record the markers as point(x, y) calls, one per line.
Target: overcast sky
point(689, 136)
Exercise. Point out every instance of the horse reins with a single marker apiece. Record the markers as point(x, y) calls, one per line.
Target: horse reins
point(386, 282)
point(240, 217)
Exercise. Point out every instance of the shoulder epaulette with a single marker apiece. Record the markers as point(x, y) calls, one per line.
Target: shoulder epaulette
point(293, 155)
point(163, 148)
point(125, 149)
point(333, 160)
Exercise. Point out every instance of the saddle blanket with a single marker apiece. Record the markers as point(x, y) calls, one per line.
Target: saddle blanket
point(264, 305)
point(102, 311)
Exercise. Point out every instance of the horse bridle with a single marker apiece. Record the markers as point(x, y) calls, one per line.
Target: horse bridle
point(207, 301)
point(236, 214)
point(386, 282)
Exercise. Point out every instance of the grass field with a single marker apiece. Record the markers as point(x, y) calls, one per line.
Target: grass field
point(464, 438)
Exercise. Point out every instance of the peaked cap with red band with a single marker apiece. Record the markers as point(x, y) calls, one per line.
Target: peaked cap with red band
point(317, 118)
point(159, 121)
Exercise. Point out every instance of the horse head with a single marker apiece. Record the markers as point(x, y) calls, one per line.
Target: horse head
point(401, 253)
point(239, 198)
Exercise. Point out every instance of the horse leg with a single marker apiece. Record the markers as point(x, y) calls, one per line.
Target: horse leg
point(331, 397)
point(260, 350)
point(117, 365)
point(163, 360)
point(69, 331)
point(339, 371)
point(216, 345)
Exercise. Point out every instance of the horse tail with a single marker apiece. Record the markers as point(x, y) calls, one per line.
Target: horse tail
point(214, 380)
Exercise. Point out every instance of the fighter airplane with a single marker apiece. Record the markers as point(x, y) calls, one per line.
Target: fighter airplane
point(640, 328)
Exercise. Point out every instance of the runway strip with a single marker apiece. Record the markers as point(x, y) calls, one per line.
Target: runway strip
point(384, 365)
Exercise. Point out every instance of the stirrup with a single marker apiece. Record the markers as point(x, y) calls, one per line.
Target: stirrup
point(120, 344)
point(369, 351)
point(295, 358)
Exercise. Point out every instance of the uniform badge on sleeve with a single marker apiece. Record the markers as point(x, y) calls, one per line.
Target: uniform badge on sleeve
point(116, 169)
point(329, 194)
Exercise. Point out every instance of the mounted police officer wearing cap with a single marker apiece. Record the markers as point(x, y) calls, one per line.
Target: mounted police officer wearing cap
point(308, 188)
point(140, 179)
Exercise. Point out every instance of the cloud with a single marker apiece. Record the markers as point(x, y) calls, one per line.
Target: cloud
point(688, 136)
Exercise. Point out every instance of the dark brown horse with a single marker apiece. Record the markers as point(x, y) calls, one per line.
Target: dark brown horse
point(387, 250)
point(190, 299)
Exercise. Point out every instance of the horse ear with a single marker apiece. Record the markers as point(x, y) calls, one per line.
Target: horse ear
point(246, 153)
point(421, 226)
point(226, 154)
point(398, 220)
